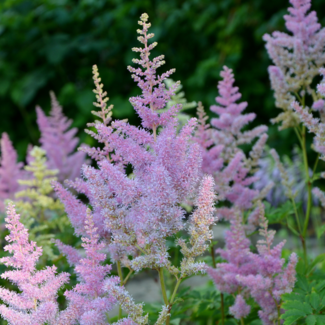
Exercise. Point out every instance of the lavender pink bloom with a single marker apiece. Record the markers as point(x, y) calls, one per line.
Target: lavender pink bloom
point(59, 142)
point(261, 275)
point(220, 145)
point(10, 171)
point(297, 57)
point(142, 209)
point(88, 303)
point(35, 303)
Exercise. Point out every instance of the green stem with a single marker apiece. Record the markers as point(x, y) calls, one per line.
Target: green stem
point(213, 256)
point(242, 321)
point(127, 277)
point(162, 284)
point(303, 144)
point(141, 249)
point(175, 290)
point(304, 248)
point(315, 165)
point(296, 214)
point(119, 271)
point(222, 309)
point(170, 304)
point(172, 299)
point(298, 135)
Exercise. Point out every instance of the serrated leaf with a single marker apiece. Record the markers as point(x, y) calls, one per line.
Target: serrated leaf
point(320, 286)
point(293, 297)
point(290, 305)
point(291, 319)
point(202, 307)
point(311, 320)
point(319, 259)
point(302, 283)
point(293, 312)
point(314, 300)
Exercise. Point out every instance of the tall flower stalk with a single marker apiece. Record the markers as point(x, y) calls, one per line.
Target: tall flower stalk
point(297, 59)
point(136, 212)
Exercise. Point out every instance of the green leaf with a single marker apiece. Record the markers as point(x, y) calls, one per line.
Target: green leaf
point(293, 297)
point(320, 286)
point(320, 319)
point(320, 231)
point(291, 319)
point(314, 300)
point(311, 320)
point(293, 312)
point(305, 307)
point(302, 283)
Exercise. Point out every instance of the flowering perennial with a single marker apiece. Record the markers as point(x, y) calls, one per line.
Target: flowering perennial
point(36, 302)
point(297, 58)
point(59, 142)
point(10, 171)
point(129, 204)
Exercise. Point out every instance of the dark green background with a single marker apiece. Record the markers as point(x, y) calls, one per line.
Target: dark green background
point(52, 44)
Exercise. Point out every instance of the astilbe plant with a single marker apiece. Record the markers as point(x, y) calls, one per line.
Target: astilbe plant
point(88, 302)
point(260, 275)
point(35, 303)
point(136, 214)
point(297, 58)
point(41, 212)
point(59, 141)
point(10, 171)
point(220, 145)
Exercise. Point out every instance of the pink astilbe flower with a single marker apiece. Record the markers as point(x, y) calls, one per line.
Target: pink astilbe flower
point(154, 93)
point(143, 208)
point(59, 142)
point(10, 171)
point(237, 257)
point(297, 57)
point(88, 303)
point(199, 228)
point(261, 275)
point(134, 311)
point(35, 303)
point(222, 156)
point(271, 279)
point(240, 309)
point(231, 120)
point(143, 176)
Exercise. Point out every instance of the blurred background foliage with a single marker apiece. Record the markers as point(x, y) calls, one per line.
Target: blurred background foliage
point(52, 44)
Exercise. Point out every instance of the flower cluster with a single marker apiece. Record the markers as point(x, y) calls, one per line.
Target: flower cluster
point(297, 58)
point(261, 275)
point(222, 156)
point(133, 196)
point(36, 302)
point(59, 142)
point(10, 171)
